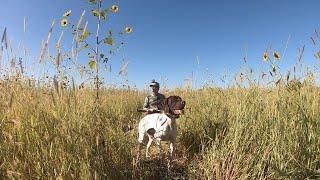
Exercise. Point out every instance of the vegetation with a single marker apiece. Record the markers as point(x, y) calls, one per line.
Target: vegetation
point(246, 133)
point(260, 127)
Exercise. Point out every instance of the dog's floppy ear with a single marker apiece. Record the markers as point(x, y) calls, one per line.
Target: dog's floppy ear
point(165, 106)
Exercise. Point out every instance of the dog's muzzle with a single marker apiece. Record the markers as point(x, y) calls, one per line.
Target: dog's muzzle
point(178, 112)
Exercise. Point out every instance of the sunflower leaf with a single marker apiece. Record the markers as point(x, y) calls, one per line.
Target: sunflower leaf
point(104, 14)
point(271, 73)
point(86, 46)
point(277, 83)
point(84, 36)
point(95, 13)
point(288, 76)
point(92, 64)
point(92, 1)
point(109, 41)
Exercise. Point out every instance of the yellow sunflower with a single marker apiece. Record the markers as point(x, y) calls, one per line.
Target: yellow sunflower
point(128, 30)
point(67, 13)
point(276, 55)
point(114, 8)
point(64, 22)
point(265, 56)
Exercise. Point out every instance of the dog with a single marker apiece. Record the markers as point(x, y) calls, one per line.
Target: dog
point(161, 126)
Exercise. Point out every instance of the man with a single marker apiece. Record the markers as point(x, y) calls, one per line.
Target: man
point(153, 102)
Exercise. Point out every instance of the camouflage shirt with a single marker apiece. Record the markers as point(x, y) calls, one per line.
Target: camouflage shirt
point(154, 101)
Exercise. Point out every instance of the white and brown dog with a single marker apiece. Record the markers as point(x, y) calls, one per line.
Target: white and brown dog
point(161, 126)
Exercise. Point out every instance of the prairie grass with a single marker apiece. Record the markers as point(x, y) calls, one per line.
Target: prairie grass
point(234, 133)
point(256, 133)
point(50, 129)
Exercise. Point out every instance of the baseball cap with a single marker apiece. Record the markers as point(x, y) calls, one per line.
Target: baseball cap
point(154, 83)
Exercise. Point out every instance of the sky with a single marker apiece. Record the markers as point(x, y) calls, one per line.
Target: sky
point(173, 40)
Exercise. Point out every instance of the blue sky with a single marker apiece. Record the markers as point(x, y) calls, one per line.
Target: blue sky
point(169, 35)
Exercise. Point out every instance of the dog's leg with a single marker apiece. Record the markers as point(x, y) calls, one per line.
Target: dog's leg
point(138, 150)
point(158, 141)
point(140, 141)
point(172, 148)
point(148, 146)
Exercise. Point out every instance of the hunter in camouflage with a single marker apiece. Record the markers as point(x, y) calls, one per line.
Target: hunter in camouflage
point(153, 102)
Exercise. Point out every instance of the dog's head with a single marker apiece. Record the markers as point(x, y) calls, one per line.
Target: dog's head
point(174, 105)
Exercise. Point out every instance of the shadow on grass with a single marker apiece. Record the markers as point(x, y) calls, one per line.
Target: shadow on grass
point(155, 168)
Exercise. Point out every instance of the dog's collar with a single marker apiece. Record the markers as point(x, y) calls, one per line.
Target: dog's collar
point(172, 116)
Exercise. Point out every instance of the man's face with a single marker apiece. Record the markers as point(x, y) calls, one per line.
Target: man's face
point(155, 89)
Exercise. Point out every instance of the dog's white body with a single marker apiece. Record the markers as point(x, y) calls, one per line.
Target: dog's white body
point(158, 127)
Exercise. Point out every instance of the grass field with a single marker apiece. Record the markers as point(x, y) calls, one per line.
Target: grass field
point(232, 133)
point(260, 126)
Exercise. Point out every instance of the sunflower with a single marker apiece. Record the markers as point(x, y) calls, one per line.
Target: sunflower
point(128, 30)
point(64, 22)
point(114, 8)
point(67, 13)
point(276, 55)
point(265, 56)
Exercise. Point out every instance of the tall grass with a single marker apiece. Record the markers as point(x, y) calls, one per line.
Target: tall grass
point(45, 135)
point(49, 129)
point(256, 133)
point(234, 133)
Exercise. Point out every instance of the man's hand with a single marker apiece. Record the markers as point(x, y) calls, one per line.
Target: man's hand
point(148, 111)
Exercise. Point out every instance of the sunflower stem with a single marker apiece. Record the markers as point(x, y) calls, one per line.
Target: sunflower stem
point(97, 52)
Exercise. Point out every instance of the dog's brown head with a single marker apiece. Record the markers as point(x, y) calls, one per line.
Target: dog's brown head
point(174, 106)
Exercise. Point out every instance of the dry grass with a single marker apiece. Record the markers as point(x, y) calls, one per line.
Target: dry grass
point(252, 130)
point(235, 133)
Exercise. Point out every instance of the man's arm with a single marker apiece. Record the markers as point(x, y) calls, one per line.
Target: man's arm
point(161, 100)
point(146, 103)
